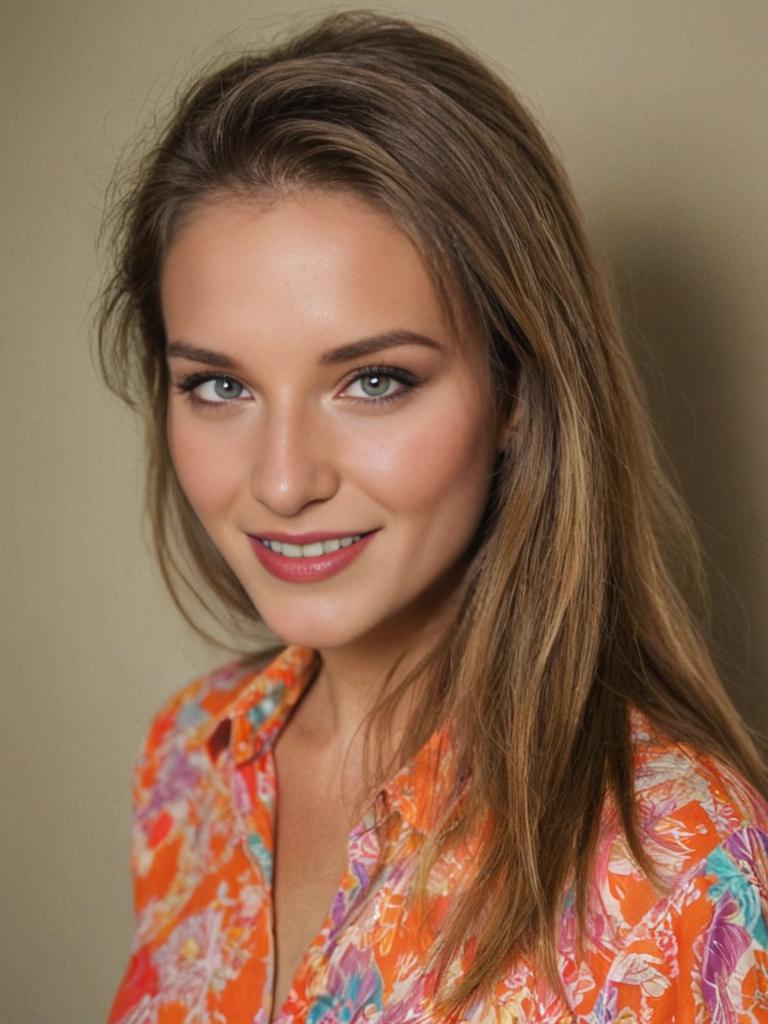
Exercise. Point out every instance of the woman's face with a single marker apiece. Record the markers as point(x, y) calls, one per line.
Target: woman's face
point(274, 429)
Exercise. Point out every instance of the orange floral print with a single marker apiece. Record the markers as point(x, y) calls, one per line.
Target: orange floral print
point(204, 792)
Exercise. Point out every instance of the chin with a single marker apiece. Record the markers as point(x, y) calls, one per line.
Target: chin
point(323, 632)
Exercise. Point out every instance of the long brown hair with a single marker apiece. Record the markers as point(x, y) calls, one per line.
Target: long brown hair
point(570, 613)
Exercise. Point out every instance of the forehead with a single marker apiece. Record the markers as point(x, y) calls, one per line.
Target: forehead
point(309, 265)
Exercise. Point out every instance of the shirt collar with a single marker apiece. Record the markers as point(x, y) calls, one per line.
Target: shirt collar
point(249, 725)
point(421, 789)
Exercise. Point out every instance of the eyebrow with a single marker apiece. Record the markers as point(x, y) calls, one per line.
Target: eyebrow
point(342, 354)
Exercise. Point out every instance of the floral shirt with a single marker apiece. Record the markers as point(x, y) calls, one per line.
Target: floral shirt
point(204, 808)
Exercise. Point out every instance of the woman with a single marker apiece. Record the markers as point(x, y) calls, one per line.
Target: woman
point(486, 769)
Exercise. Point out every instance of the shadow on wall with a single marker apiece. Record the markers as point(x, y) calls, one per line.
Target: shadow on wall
point(694, 347)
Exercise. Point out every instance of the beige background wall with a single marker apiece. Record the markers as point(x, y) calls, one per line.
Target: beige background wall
point(658, 111)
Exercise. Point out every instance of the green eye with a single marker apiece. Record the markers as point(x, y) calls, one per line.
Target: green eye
point(375, 383)
point(225, 387)
point(205, 389)
point(379, 386)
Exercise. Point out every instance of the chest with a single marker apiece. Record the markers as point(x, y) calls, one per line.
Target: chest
point(310, 857)
point(247, 872)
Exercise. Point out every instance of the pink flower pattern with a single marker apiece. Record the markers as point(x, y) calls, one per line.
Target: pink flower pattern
point(204, 791)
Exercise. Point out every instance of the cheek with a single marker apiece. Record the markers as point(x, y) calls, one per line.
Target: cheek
point(437, 471)
point(207, 471)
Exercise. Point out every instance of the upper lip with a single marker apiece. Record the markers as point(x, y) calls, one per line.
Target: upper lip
point(307, 538)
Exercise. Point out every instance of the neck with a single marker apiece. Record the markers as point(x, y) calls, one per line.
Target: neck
point(351, 680)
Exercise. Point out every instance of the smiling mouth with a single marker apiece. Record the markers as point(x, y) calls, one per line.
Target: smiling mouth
point(313, 562)
point(315, 550)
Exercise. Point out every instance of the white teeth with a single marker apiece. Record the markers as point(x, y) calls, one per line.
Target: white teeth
point(311, 550)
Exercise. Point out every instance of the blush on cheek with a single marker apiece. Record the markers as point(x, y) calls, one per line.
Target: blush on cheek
point(435, 461)
point(434, 478)
point(449, 517)
point(204, 475)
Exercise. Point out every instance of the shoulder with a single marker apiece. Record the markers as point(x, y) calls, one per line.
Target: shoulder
point(185, 719)
point(690, 805)
point(173, 765)
point(688, 802)
point(178, 796)
point(702, 942)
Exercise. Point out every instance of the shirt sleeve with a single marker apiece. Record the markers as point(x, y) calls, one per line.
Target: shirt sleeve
point(701, 955)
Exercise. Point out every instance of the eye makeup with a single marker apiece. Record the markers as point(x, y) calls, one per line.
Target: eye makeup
point(190, 386)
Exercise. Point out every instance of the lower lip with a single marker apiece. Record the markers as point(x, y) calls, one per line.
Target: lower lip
point(308, 570)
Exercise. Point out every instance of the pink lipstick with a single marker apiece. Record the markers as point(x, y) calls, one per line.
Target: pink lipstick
point(311, 569)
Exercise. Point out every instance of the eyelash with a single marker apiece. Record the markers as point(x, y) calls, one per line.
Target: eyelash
point(188, 385)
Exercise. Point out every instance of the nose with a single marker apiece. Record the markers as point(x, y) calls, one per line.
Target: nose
point(294, 460)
